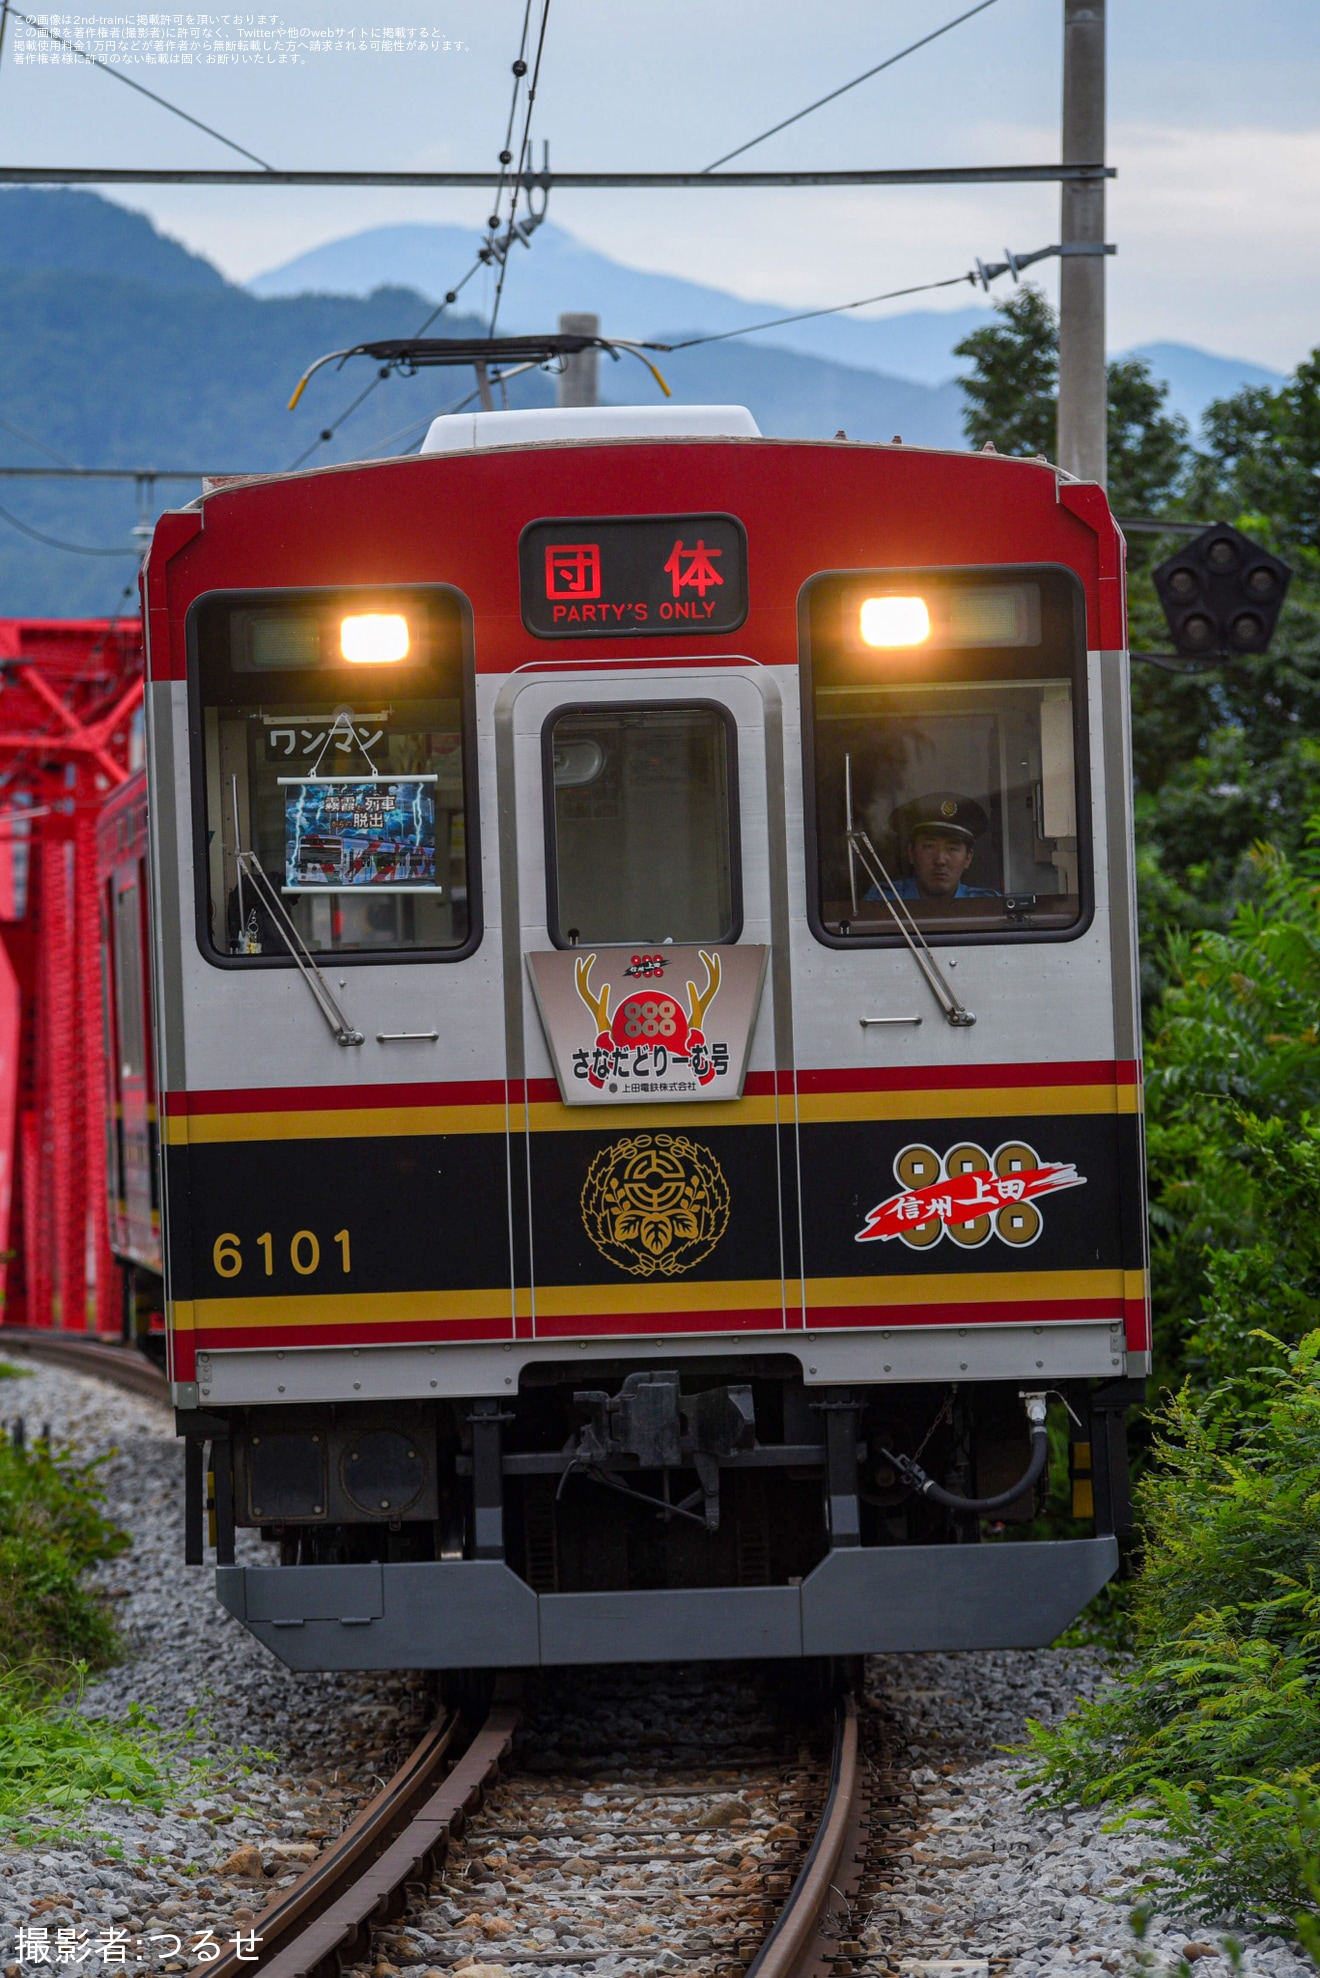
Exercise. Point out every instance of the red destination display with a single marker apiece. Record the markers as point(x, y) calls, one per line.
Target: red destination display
point(603, 577)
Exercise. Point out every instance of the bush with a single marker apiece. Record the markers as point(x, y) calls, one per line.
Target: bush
point(53, 1758)
point(1217, 1730)
point(1234, 1129)
point(52, 1530)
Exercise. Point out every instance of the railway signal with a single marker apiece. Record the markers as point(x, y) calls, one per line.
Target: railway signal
point(1222, 594)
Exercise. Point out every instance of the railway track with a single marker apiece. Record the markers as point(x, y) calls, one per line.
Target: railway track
point(461, 1832)
point(84, 1353)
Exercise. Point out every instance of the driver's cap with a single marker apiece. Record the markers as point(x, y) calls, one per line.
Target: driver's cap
point(942, 810)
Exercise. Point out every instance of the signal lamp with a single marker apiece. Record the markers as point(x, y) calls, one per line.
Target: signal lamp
point(895, 622)
point(1222, 594)
point(374, 638)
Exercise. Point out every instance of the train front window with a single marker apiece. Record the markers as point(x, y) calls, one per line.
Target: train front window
point(945, 715)
point(641, 824)
point(333, 749)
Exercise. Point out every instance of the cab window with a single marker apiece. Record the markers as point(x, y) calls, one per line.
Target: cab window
point(334, 732)
point(944, 726)
point(641, 824)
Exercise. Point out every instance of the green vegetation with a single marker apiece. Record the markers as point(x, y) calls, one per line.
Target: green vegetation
point(1218, 1728)
point(53, 1631)
point(54, 1760)
point(1215, 1730)
point(52, 1530)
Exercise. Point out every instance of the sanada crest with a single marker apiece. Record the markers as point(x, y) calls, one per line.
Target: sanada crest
point(651, 1030)
point(655, 1204)
point(969, 1196)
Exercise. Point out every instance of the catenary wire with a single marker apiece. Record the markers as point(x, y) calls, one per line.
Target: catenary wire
point(978, 275)
point(40, 445)
point(843, 88)
point(524, 164)
point(484, 255)
point(55, 542)
point(141, 89)
point(807, 315)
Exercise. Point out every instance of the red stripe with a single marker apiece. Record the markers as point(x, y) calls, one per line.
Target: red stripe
point(491, 1091)
point(820, 1318)
point(763, 1319)
point(1138, 1328)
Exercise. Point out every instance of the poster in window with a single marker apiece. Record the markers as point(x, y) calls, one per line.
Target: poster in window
point(346, 832)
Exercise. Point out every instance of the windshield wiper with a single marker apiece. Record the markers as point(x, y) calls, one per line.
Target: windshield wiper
point(859, 844)
point(344, 1031)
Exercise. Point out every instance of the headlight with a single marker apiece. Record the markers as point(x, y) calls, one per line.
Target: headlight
point(895, 621)
point(374, 638)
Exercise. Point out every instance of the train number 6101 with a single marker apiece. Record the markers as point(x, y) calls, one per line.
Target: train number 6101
point(304, 1252)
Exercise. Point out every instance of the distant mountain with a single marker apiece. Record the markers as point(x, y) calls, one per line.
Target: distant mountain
point(180, 369)
point(119, 347)
point(83, 234)
point(1195, 377)
point(559, 273)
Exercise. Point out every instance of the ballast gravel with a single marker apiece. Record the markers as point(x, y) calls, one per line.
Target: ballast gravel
point(288, 1759)
point(973, 1871)
point(990, 1878)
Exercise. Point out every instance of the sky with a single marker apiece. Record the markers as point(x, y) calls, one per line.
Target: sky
point(1214, 126)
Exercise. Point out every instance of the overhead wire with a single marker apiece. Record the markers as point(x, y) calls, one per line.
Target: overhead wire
point(491, 249)
point(55, 542)
point(397, 353)
point(524, 163)
point(807, 315)
point(40, 445)
point(843, 88)
point(141, 88)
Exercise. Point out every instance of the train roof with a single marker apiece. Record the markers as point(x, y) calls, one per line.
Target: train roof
point(455, 515)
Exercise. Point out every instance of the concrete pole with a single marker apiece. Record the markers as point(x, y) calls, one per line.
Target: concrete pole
point(1082, 389)
point(577, 380)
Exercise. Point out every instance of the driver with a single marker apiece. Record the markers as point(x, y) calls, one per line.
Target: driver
point(940, 831)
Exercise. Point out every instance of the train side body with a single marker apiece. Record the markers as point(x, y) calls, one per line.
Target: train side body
point(583, 1308)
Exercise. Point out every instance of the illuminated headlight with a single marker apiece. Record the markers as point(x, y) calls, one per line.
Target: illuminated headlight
point(895, 622)
point(374, 638)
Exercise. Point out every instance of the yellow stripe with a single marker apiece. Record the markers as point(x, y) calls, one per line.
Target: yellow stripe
point(337, 1123)
point(657, 1301)
point(970, 1102)
point(759, 1109)
point(1136, 1284)
point(343, 1308)
point(555, 1301)
point(976, 1288)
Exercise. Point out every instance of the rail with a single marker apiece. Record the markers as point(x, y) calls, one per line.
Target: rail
point(313, 1929)
point(362, 1880)
point(803, 1942)
point(83, 1353)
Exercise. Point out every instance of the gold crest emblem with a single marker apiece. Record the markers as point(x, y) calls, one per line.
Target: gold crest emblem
point(655, 1204)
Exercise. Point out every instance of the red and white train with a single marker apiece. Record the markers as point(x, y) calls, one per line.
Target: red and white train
point(644, 962)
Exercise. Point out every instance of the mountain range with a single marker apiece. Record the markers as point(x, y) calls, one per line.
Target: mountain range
point(560, 273)
point(120, 347)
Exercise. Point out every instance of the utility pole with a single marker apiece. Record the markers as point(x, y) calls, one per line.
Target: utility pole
point(577, 380)
point(1083, 394)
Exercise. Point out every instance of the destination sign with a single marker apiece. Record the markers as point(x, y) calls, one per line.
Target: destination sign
point(610, 578)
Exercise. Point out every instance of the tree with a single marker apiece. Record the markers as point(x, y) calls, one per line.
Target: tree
point(1012, 402)
point(1226, 759)
point(1012, 387)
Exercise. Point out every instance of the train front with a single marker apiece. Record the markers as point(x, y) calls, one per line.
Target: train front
point(644, 971)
